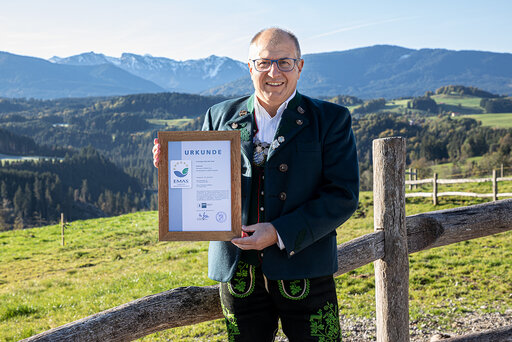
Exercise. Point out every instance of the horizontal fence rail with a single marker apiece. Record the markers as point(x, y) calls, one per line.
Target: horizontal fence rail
point(192, 305)
point(435, 194)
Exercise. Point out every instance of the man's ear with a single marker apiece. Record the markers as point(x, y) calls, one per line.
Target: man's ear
point(249, 64)
point(300, 65)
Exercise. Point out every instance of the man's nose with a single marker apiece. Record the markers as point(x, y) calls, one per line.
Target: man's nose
point(274, 69)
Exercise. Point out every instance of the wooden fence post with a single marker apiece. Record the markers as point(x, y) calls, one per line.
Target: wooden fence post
point(434, 189)
point(502, 170)
point(62, 226)
point(410, 178)
point(392, 271)
point(494, 186)
point(415, 178)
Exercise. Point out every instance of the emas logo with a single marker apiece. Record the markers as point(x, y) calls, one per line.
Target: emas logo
point(180, 172)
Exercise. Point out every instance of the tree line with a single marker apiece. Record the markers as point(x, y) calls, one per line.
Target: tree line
point(82, 185)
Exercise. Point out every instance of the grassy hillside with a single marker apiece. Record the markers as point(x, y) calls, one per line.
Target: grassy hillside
point(110, 261)
point(498, 120)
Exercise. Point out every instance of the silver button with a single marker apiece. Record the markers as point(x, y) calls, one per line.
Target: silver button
point(263, 193)
point(234, 125)
point(261, 254)
point(292, 253)
point(300, 110)
point(299, 122)
point(262, 209)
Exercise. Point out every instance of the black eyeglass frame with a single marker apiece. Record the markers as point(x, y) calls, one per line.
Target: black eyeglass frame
point(272, 61)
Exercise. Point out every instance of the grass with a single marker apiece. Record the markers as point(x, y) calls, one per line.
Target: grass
point(446, 170)
point(498, 120)
point(174, 123)
point(110, 261)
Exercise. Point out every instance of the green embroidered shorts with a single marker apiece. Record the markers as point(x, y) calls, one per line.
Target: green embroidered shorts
point(252, 305)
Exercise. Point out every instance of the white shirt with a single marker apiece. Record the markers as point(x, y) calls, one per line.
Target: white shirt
point(267, 125)
point(267, 128)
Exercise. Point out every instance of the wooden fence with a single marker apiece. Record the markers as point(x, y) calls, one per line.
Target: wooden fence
point(435, 181)
point(395, 237)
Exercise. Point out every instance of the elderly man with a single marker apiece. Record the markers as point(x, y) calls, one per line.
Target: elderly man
point(300, 182)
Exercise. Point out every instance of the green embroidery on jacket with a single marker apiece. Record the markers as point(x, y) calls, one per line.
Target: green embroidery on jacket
point(325, 324)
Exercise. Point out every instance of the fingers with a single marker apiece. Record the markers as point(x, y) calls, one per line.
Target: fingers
point(264, 235)
point(156, 153)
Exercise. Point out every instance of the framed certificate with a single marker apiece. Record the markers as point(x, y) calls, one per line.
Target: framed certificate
point(199, 196)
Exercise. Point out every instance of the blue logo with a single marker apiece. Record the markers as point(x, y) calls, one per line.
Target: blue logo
point(182, 173)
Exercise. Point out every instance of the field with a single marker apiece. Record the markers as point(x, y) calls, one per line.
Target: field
point(110, 261)
point(498, 120)
point(174, 123)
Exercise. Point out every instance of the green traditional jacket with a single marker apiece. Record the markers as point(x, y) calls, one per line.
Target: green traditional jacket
point(311, 185)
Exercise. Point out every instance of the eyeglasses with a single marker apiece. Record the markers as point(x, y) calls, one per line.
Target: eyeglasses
point(283, 64)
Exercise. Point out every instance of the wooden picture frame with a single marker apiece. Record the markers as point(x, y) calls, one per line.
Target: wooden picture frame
point(199, 190)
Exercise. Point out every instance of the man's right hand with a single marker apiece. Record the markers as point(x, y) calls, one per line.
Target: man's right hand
point(156, 153)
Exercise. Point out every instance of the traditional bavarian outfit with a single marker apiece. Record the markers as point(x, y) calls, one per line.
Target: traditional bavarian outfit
point(252, 301)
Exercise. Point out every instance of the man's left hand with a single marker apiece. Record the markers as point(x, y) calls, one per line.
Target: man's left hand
point(264, 235)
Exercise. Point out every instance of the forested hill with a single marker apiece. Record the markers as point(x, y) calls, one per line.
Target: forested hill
point(14, 144)
point(81, 185)
point(117, 134)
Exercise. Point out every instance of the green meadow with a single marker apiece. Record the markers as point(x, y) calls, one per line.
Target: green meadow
point(172, 123)
point(110, 261)
point(498, 120)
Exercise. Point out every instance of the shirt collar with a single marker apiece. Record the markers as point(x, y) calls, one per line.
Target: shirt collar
point(259, 111)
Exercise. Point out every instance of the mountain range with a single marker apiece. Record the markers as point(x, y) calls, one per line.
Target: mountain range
point(368, 72)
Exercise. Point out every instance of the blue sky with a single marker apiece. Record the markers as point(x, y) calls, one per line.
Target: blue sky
point(196, 29)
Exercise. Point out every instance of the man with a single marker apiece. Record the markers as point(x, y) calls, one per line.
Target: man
point(299, 183)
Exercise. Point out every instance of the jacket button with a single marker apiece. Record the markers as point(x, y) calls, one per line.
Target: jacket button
point(282, 196)
point(234, 125)
point(292, 253)
point(283, 167)
point(262, 209)
point(299, 122)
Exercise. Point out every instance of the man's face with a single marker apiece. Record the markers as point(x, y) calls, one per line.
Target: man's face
point(273, 87)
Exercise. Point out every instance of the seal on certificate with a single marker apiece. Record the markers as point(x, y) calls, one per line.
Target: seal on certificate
point(221, 216)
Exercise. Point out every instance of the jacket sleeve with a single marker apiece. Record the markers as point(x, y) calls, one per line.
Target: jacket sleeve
point(337, 195)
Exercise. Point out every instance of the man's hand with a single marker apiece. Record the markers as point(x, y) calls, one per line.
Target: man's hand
point(264, 235)
point(156, 153)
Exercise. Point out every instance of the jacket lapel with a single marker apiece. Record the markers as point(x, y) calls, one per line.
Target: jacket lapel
point(292, 122)
point(243, 121)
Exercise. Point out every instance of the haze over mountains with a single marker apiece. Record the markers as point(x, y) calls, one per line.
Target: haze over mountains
point(369, 72)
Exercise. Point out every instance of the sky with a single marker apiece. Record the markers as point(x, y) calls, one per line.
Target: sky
point(195, 29)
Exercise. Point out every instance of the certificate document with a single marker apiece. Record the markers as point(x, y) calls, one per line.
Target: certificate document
point(199, 185)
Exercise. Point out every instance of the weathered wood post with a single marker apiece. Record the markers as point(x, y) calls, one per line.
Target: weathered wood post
point(415, 178)
point(62, 226)
point(434, 189)
point(410, 178)
point(502, 170)
point(392, 271)
point(494, 186)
